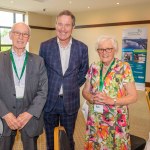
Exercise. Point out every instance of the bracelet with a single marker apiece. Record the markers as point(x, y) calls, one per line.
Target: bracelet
point(115, 100)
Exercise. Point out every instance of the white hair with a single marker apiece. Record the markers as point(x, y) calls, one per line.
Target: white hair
point(103, 38)
point(14, 25)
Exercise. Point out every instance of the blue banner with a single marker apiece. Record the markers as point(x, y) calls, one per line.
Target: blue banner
point(134, 51)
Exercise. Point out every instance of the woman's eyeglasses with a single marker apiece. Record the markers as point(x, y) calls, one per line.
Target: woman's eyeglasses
point(108, 50)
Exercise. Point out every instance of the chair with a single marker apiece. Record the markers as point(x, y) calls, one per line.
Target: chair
point(1, 127)
point(147, 91)
point(137, 143)
point(61, 141)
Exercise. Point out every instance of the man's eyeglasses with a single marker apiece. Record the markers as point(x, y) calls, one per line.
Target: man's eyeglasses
point(108, 50)
point(25, 35)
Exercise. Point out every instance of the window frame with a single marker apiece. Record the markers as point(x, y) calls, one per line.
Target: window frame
point(8, 27)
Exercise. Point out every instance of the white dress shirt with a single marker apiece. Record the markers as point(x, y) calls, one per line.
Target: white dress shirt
point(19, 61)
point(65, 57)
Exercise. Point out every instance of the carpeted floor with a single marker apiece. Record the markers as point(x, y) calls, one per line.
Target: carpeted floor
point(78, 136)
point(139, 119)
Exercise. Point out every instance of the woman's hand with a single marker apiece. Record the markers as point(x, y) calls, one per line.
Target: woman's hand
point(102, 98)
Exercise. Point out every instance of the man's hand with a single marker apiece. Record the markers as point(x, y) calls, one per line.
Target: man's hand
point(11, 121)
point(24, 118)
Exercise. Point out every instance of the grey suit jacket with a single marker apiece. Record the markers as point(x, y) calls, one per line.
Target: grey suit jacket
point(36, 86)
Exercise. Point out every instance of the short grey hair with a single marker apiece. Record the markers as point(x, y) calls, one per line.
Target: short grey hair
point(14, 25)
point(103, 38)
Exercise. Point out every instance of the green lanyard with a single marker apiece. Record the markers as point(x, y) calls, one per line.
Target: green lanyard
point(101, 76)
point(14, 65)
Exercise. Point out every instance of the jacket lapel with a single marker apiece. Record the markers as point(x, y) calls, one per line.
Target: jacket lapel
point(8, 67)
point(29, 68)
point(57, 58)
point(73, 55)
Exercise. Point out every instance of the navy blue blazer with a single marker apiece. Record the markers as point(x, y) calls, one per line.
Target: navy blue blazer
point(73, 78)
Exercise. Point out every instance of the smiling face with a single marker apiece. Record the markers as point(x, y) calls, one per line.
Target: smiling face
point(64, 28)
point(106, 51)
point(19, 36)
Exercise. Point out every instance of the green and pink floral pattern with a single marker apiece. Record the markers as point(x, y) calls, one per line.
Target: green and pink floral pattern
point(110, 130)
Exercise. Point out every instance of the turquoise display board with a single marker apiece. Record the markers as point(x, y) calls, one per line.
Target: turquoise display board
point(134, 51)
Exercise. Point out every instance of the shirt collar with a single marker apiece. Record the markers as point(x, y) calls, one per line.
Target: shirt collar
point(13, 51)
point(70, 42)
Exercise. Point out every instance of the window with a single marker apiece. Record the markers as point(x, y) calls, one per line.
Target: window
point(7, 19)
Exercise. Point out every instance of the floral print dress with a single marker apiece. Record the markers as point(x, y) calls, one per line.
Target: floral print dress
point(109, 130)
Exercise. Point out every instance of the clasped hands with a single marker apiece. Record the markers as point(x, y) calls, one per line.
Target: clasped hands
point(101, 98)
point(19, 122)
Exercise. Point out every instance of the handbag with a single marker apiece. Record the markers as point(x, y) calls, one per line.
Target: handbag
point(1, 127)
point(61, 141)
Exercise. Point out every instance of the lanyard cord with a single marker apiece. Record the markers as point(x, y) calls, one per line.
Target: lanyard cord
point(101, 76)
point(14, 65)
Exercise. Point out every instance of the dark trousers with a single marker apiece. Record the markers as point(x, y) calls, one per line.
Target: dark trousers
point(29, 143)
point(52, 119)
point(7, 142)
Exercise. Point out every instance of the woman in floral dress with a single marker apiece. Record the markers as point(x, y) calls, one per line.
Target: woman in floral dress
point(109, 89)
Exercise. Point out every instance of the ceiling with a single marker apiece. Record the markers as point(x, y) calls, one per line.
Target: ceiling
point(52, 7)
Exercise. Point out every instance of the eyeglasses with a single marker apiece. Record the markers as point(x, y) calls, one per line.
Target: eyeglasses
point(108, 50)
point(25, 35)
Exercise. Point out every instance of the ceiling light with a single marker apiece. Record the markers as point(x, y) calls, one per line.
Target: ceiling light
point(88, 7)
point(70, 2)
point(117, 3)
point(40, 0)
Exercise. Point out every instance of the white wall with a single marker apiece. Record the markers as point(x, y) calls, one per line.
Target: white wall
point(139, 113)
point(38, 35)
point(113, 15)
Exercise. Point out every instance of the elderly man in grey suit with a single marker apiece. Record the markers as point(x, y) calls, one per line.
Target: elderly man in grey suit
point(23, 91)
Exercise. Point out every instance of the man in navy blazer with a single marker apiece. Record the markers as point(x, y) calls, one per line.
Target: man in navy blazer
point(66, 60)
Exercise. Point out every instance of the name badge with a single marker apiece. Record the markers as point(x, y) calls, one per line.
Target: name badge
point(98, 108)
point(19, 91)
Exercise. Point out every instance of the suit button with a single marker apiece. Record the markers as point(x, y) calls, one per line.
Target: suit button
point(14, 107)
point(14, 94)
